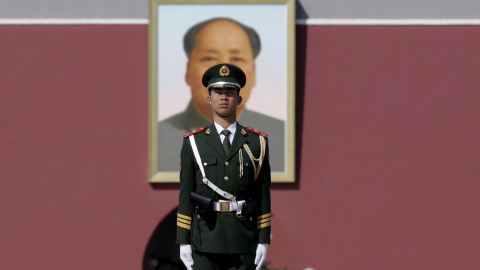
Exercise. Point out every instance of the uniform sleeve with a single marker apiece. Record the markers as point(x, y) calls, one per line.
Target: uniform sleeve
point(264, 219)
point(187, 185)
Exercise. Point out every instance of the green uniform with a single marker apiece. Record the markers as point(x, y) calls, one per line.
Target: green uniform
point(234, 173)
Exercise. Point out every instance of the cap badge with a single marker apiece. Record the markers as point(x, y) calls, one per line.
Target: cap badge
point(224, 71)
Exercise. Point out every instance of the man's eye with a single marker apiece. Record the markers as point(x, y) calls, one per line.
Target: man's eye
point(207, 58)
point(237, 59)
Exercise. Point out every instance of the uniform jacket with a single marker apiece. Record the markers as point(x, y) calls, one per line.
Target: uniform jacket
point(231, 234)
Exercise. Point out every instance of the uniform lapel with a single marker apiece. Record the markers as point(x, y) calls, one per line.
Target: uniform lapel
point(213, 140)
point(239, 139)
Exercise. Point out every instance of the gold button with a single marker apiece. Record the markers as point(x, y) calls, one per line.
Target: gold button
point(246, 164)
point(251, 219)
point(226, 178)
point(198, 216)
point(226, 163)
point(205, 164)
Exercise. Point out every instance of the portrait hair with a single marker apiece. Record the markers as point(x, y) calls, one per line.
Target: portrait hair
point(191, 35)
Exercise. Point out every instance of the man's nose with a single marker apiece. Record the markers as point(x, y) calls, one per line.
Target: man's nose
point(224, 58)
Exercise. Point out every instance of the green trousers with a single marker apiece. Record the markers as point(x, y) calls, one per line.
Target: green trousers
point(214, 261)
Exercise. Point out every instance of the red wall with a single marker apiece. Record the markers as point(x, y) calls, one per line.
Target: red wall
point(387, 144)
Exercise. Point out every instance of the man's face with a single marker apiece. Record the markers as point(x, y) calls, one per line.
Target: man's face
point(224, 101)
point(221, 41)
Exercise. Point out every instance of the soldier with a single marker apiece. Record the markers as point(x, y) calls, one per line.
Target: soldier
point(224, 214)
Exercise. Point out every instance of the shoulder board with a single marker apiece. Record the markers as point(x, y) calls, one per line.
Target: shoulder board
point(194, 132)
point(256, 132)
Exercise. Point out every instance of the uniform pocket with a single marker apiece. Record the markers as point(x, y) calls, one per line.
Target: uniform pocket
point(209, 165)
point(247, 221)
point(248, 173)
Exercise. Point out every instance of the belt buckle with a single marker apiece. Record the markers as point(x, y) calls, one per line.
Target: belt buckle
point(224, 207)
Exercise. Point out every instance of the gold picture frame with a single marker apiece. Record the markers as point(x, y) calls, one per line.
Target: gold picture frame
point(271, 104)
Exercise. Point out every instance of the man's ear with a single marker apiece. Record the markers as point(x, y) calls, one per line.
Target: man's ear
point(239, 99)
point(254, 77)
point(187, 74)
point(209, 98)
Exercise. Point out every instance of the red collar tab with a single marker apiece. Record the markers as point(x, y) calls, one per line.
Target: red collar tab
point(194, 132)
point(256, 132)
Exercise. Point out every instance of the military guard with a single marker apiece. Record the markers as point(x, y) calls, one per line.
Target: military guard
point(224, 216)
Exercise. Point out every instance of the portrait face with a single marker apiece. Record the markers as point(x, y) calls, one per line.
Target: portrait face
point(220, 41)
point(224, 102)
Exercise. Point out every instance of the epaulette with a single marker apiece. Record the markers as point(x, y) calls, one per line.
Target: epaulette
point(256, 132)
point(194, 132)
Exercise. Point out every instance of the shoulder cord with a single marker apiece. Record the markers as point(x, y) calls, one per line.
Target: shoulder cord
point(259, 159)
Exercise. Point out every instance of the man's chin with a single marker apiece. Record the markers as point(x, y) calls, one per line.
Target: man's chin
point(224, 113)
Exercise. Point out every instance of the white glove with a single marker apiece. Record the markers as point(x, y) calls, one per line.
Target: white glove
point(186, 255)
point(261, 255)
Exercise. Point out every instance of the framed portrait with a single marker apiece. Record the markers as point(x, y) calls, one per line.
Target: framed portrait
point(188, 37)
